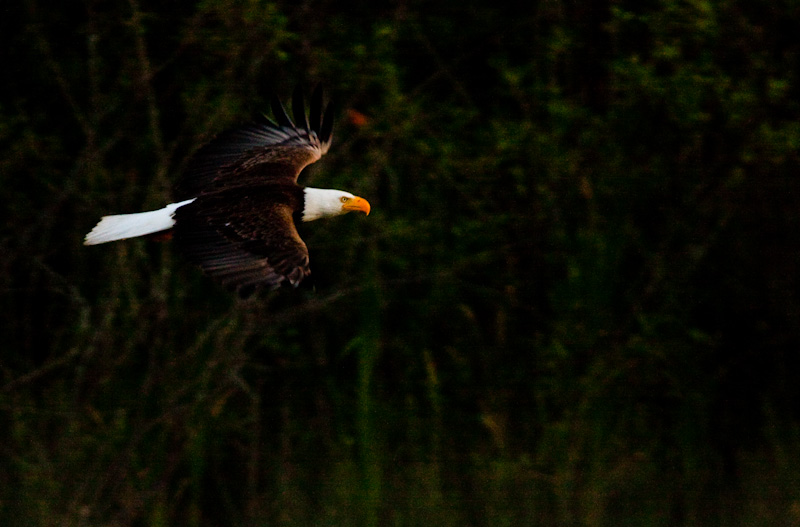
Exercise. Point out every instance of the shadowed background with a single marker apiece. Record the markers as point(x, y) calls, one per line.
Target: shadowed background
point(574, 303)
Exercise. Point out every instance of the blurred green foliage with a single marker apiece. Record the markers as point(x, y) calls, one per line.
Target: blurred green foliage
point(575, 302)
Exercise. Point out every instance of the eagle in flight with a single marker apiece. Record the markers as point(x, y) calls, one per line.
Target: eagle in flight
point(237, 205)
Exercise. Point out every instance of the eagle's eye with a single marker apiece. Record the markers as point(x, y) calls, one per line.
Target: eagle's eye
point(344, 199)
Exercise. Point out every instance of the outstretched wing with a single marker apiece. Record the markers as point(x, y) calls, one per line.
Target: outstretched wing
point(245, 240)
point(261, 152)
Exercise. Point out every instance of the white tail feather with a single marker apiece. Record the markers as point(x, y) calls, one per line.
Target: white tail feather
point(122, 226)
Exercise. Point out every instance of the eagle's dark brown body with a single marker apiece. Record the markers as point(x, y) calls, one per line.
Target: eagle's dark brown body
point(245, 236)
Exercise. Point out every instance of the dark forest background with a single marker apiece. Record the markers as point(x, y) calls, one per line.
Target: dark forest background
point(574, 303)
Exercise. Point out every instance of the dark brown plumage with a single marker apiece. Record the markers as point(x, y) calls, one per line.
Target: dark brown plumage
point(245, 237)
point(240, 228)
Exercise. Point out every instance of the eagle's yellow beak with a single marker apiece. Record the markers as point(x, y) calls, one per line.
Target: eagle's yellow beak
point(356, 204)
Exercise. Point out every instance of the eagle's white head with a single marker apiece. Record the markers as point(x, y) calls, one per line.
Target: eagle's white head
point(323, 202)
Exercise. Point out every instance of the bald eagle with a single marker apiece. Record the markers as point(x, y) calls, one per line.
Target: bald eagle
point(237, 205)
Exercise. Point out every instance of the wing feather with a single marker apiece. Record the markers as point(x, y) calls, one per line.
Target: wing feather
point(280, 113)
point(299, 108)
point(326, 130)
point(315, 109)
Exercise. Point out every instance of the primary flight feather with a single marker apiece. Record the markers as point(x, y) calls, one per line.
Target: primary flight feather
point(237, 205)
